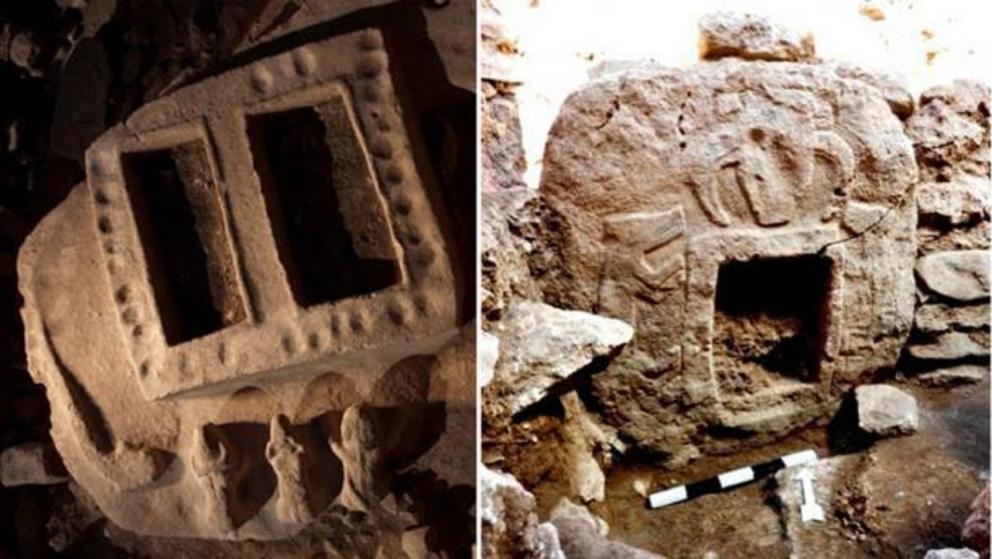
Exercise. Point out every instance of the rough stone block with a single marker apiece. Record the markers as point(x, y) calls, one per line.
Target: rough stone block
point(751, 37)
point(885, 410)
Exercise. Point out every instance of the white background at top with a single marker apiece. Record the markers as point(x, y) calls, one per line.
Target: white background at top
point(561, 40)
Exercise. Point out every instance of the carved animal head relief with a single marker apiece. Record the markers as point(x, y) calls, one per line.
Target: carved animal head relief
point(710, 199)
point(248, 258)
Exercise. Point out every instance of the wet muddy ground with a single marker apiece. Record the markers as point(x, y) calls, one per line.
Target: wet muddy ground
point(913, 493)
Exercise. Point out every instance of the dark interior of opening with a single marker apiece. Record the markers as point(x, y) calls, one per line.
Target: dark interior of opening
point(770, 321)
point(329, 224)
point(180, 221)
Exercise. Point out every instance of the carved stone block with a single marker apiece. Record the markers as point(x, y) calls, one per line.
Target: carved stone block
point(250, 257)
point(754, 221)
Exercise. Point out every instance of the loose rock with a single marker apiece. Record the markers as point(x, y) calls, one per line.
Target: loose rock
point(975, 533)
point(959, 374)
point(937, 318)
point(885, 410)
point(488, 356)
point(962, 201)
point(541, 346)
point(752, 37)
point(958, 275)
point(949, 553)
point(509, 523)
point(583, 535)
point(952, 346)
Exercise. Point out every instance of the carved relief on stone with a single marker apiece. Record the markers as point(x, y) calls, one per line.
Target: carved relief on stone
point(363, 459)
point(695, 201)
point(250, 257)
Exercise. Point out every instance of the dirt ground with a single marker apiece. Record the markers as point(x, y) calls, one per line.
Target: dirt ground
point(903, 496)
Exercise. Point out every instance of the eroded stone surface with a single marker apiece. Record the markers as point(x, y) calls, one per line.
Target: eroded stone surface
point(542, 346)
point(885, 410)
point(488, 356)
point(956, 203)
point(509, 523)
point(951, 553)
point(274, 357)
point(936, 318)
point(953, 346)
point(583, 535)
point(950, 130)
point(752, 37)
point(955, 375)
point(956, 275)
point(975, 533)
point(688, 202)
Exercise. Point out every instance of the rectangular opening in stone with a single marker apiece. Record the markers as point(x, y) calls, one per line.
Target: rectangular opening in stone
point(770, 322)
point(180, 219)
point(328, 221)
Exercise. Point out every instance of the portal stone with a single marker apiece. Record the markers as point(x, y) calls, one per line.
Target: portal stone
point(754, 221)
point(253, 262)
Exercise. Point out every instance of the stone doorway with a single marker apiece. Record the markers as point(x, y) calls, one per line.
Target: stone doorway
point(770, 322)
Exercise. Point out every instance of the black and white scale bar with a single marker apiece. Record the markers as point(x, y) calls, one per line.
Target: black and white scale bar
point(729, 479)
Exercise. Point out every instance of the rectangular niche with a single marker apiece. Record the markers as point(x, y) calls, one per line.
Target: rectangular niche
point(770, 322)
point(180, 220)
point(327, 218)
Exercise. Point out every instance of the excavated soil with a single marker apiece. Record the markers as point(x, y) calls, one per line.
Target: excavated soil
point(901, 497)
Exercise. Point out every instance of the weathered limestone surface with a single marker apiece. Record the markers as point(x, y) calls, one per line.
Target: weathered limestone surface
point(509, 524)
point(541, 347)
point(950, 131)
point(961, 276)
point(751, 37)
point(213, 371)
point(952, 346)
point(659, 180)
point(885, 410)
point(507, 239)
point(956, 374)
point(936, 318)
point(950, 134)
point(583, 535)
point(501, 140)
point(975, 533)
point(951, 553)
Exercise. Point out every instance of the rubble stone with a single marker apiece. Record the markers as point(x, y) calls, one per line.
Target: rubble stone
point(960, 275)
point(506, 273)
point(752, 37)
point(885, 410)
point(975, 533)
point(893, 88)
point(953, 346)
point(503, 160)
point(542, 346)
point(583, 535)
point(548, 543)
point(951, 204)
point(950, 130)
point(488, 356)
point(955, 375)
point(509, 523)
point(951, 553)
point(937, 318)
